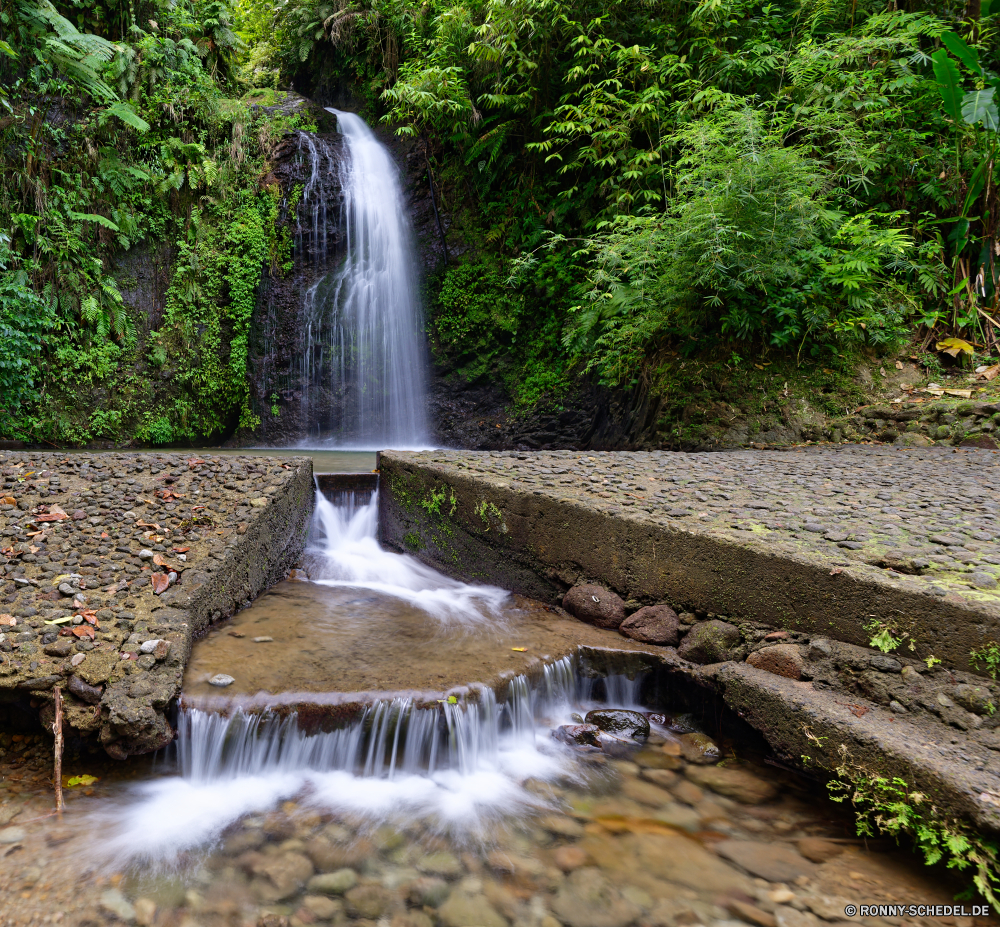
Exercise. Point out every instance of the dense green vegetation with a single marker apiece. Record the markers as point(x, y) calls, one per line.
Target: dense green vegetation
point(633, 180)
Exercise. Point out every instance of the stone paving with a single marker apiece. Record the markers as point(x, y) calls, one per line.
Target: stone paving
point(921, 513)
point(110, 563)
point(904, 540)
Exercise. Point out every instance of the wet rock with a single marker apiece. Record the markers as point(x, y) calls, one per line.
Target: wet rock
point(464, 909)
point(145, 912)
point(371, 901)
point(786, 916)
point(976, 699)
point(750, 913)
point(86, 693)
point(781, 659)
point(326, 909)
point(569, 858)
point(664, 778)
point(655, 624)
point(818, 850)
point(580, 735)
point(652, 758)
point(595, 605)
point(114, 903)
point(429, 891)
point(412, 919)
point(286, 873)
point(679, 816)
point(442, 864)
point(710, 642)
point(588, 899)
point(699, 748)
point(885, 664)
point(333, 883)
point(11, 835)
point(221, 680)
point(770, 861)
point(735, 783)
point(616, 745)
point(619, 721)
point(645, 792)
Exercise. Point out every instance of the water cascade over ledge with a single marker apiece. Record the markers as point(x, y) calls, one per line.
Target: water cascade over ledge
point(363, 339)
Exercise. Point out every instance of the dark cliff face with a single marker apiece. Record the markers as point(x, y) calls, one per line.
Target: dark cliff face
point(306, 167)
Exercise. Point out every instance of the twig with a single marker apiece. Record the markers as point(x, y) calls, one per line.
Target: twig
point(58, 731)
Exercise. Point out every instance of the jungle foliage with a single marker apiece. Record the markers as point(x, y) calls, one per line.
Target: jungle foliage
point(631, 178)
point(808, 176)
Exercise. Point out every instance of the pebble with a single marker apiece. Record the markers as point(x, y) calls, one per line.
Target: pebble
point(13, 835)
point(263, 640)
point(333, 883)
point(150, 646)
point(221, 680)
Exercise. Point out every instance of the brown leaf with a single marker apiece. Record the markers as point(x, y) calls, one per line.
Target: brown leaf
point(159, 560)
point(181, 550)
point(990, 372)
point(8, 620)
point(194, 462)
point(160, 583)
point(55, 514)
point(90, 616)
point(84, 630)
point(8, 500)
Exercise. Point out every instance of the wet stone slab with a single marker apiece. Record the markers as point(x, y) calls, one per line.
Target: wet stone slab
point(805, 537)
point(112, 563)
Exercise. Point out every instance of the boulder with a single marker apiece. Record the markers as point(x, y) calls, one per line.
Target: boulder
point(655, 624)
point(738, 784)
point(579, 735)
point(595, 605)
point(588, 899)
point(700, 748)
point(463, 909)
point(619, 721)
point(781, 659)
point(770, 861)
point(710, 642)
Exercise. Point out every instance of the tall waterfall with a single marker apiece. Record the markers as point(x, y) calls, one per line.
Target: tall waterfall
point(363, 338)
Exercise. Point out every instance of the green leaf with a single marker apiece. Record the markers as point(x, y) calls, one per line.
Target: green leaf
point(949, 81)
point(956, 45)
point(92, 217)
point(126, 114)
point(988, 8)
point(979, 108)
point(7, 50)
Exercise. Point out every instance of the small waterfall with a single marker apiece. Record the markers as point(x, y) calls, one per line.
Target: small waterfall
point(457, 767)
point(363, 360)
point(343, 551)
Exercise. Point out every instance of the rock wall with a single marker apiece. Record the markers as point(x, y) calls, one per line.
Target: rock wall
point(113, 564)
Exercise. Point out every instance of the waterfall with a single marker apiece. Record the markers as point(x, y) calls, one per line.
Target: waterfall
point(363, 362)
point(456, 767)
point(343, 551)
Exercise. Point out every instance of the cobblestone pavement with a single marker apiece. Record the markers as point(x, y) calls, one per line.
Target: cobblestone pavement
point(106, 563)
point(927, 517)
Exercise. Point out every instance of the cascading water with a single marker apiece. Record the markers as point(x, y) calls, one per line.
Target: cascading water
point(363, 343)
point(343, 551)
point(454, 767)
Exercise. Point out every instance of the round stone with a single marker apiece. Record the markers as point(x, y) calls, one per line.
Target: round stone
point(221, 680)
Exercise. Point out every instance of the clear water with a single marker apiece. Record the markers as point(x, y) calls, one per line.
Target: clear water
point(364, 343)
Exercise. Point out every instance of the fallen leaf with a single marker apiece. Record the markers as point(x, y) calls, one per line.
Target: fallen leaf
point(55, 514)
point(160, 583)
point(77, 781)
point(989, 373)
point(955, 346)
point(59, 620)
point(452, 699)
point(90, 616)
point(899, 365)
point(8, 620)
point(519, 649)
point(195, 462)
point(8, 500)
point(836, 571)
point(181, 550)
point(962, 393)
point(84, 630)
point(159, 560)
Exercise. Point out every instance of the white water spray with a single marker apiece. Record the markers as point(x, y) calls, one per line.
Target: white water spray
point(364, 341)
point(343, 551)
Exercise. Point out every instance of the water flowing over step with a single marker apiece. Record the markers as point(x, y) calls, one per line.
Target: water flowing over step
point(358, 622)
point(455, 767)
point(363, 342)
